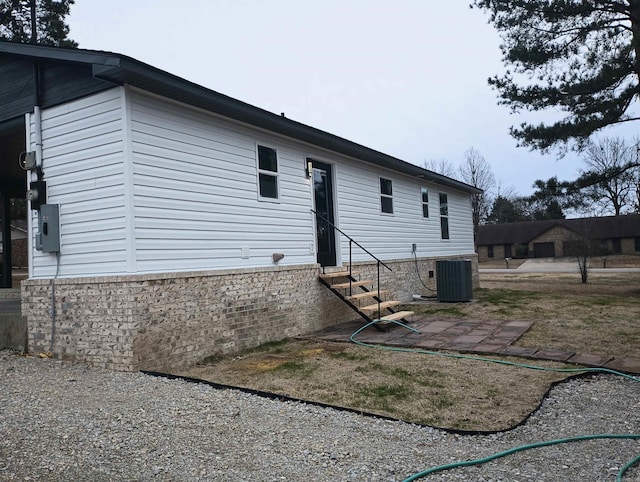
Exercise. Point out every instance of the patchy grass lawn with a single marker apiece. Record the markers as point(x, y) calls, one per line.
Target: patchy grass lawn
point(599, 318)
point(436, 391)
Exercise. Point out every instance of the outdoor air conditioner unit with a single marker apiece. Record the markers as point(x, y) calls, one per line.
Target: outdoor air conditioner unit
point(454, 281)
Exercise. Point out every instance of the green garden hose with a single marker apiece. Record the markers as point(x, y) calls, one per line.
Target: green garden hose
point(476, 358)
point(626, 467)
point(467, 463)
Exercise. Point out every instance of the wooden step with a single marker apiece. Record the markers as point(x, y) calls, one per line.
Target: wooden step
point(398, 315)
point(366, 294)
point(383, 305)
point(338, 274)
point(364, 282)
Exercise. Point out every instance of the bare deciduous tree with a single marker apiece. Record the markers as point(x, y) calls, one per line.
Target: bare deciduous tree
point(441, 166)
point(636, 202)
point(606, 161)
point(583, 246)
point(477, 172)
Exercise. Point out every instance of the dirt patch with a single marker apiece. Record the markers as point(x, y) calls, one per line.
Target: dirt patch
point(598, 318)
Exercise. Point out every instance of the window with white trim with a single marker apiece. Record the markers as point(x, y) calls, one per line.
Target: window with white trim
point(267, 172)
point(444, 216)
point(386, 196)
point(424, 193)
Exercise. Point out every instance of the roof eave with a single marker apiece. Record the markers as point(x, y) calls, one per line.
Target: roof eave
point(163, 83)
point(120, 70)
point(44, 52)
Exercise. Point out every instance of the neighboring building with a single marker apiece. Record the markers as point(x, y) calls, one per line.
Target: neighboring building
point(176, 204)
point(19, 246)
point(552, 238)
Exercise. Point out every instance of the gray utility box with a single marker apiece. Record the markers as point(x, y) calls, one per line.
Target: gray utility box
point(454, 280)
point(48, 236)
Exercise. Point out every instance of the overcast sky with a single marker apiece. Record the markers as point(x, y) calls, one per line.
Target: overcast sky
point(405, 77)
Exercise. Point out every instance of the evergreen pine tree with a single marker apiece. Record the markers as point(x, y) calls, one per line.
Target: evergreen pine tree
point(577, 57)
point(17, 22)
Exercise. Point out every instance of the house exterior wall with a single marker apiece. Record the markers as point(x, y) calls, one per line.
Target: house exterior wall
point(164, 321)
point(84, 170)
point(197, 207)
point(148, 186)
point(391, 236)
point(196, 193)
point(628, 245)
point(159, 322)
point(166, 248)
point(555, 235)
point(498, 252)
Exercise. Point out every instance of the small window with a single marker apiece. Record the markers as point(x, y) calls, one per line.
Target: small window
point(386, 196)
point(268, 172)
point(490, 251)
point(444, 216)
point(424, 192)
point(444, 205)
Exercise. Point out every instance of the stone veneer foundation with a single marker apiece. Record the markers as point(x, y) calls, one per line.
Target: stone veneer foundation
point(165, 321)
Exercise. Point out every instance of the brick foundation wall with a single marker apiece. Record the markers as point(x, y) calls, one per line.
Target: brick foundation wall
point(164, 321)
point(158, 322)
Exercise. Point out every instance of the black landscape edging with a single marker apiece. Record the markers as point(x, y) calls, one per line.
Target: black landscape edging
point(286, 398)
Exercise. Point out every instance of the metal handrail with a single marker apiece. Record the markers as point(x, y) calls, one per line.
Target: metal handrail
point(350, 239)
point(353, 241)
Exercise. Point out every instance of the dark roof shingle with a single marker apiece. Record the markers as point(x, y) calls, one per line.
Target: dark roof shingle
point(626, 226)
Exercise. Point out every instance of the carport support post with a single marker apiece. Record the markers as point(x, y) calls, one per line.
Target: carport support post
point(5, 282)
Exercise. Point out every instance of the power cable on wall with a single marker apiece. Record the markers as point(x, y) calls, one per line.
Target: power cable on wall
point(53, 303)
point(415, 258)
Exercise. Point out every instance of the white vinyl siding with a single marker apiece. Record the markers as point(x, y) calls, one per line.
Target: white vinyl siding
point(195, 190)
point(149, 185)
point(391, 237)
point(83, 165)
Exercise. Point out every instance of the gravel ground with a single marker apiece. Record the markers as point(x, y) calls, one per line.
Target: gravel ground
point(63, 421)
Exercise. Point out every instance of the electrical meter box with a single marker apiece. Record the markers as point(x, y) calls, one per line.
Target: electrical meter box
point(48, 236)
